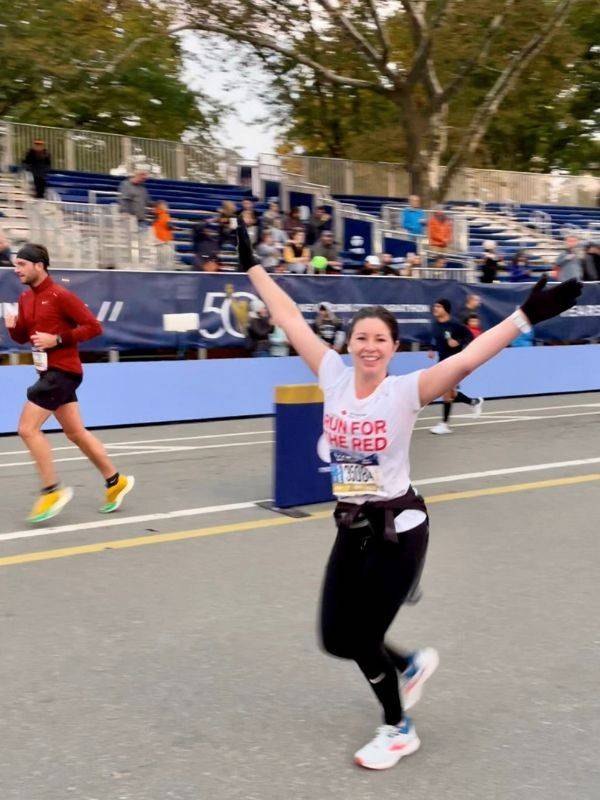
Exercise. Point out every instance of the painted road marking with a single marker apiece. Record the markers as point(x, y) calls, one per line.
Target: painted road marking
point(271, 522)
point(192, 512)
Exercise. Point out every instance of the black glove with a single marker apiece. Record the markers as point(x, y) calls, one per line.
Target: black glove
point(246, 255)
point(541, 305)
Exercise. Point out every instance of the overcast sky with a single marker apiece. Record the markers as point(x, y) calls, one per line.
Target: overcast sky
point(238, 130)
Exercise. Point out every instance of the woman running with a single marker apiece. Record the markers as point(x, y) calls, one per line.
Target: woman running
point(382, 523)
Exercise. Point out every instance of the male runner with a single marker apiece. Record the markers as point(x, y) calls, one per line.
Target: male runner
point(449, 337)
point(55, 320)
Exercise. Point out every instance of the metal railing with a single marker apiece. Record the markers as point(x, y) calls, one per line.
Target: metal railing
point(93, 151)
point(385, 179)
point(87, 235)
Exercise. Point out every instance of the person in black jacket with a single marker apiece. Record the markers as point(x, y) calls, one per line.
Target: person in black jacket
point(260, 328)
point(449, 337)
point(37, 161)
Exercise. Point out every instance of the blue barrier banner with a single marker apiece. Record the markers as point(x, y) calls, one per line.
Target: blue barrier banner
point(130, 305)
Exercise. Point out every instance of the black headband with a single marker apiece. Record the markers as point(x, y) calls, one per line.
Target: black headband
point(31, 252)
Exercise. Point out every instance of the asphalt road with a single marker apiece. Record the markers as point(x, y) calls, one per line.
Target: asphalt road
point(180, 662)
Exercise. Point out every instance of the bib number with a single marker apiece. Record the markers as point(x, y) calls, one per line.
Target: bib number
point(40, 360)
point(355, 474)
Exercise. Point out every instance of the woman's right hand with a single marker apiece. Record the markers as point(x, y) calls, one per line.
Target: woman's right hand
point(10, 320)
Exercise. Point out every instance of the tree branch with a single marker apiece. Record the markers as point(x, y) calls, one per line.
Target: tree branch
point(386, 47)
point(480, 55)
point(368, 51)
point(505, 82)
point(260, 42)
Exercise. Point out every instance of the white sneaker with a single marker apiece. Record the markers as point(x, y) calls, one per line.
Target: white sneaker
point(477, 407)
point(390, 744)
point(423, 664)
point(441, 427)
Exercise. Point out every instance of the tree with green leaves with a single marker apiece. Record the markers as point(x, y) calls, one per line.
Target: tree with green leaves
point(63, 65)
point(443, 67)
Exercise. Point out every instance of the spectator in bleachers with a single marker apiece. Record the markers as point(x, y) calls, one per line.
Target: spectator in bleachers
point(568, 264)
point(133, 196)
point(204, 243)
point(210, 264)
point(591, 262)
point(371, 266)
point(412, 218)
point(259, 330)
point(293, 221)
point(251, 219)
point(519, 267)
point(439, 229)
point(280, 237)
point(38, 162)
point(268, 252)
point(318, 223)
point(471, 306)
point(296, 254)
point(278, 343)
point(272, 213)
point(412, 265)
point(226, 222)
point(389, 265)
point(490, 262)
point(473, 323)
point(327, 248)
point(439, 265)
point(162, 228)
point(329, 328)
point(5, 252)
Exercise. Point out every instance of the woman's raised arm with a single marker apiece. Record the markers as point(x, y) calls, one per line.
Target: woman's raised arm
point(539, 306)
point(282, 309)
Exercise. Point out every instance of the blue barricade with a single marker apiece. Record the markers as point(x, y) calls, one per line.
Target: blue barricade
point(131, 305)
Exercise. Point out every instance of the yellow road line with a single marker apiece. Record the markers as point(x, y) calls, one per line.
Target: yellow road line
point(272, 522)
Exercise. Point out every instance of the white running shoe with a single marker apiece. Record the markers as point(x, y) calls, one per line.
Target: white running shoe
point(477, 407)
point(441, 427)
point(423, 664)
point(390, 744)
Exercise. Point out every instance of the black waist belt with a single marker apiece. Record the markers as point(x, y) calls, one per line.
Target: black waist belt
point(346, 514)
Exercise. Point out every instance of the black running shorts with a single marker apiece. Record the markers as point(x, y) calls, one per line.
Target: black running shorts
point(54, 388)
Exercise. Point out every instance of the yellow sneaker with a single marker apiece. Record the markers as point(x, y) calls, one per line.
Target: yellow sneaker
point(116, 493)
point(49, 505)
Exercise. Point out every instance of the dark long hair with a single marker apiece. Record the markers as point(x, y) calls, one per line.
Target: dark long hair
point(376, 312)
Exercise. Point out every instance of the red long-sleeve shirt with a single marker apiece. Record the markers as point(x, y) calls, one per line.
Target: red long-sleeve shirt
point(49, 308)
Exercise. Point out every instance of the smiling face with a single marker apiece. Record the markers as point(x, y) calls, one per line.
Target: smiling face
point(372, 347)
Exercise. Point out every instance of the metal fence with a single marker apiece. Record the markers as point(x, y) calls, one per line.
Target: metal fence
point(91, 151)
point(482, 185)
point(87, 235)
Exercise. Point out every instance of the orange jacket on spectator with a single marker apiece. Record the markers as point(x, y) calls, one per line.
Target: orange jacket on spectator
point(439, 230)
point(161, 227)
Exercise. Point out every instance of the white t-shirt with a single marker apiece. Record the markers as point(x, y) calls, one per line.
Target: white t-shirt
point(367, 441)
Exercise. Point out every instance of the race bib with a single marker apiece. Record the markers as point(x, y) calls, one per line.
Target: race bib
point(40, 360)
point(355, 473)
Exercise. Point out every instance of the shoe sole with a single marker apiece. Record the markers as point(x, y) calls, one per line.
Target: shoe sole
point(56, 508)
point(410, 748)
point(439, 433)
point(415, 694)
point(110, 507)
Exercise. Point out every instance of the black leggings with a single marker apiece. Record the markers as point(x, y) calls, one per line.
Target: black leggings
point(366, 581)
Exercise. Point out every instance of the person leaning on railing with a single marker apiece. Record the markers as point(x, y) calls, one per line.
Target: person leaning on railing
point(133, 196)
point(439, 229)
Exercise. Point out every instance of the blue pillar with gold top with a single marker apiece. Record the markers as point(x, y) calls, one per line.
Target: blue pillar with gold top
point(301, 477)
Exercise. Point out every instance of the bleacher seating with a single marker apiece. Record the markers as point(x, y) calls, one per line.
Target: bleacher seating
point(188, 202)
point(512, 227)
